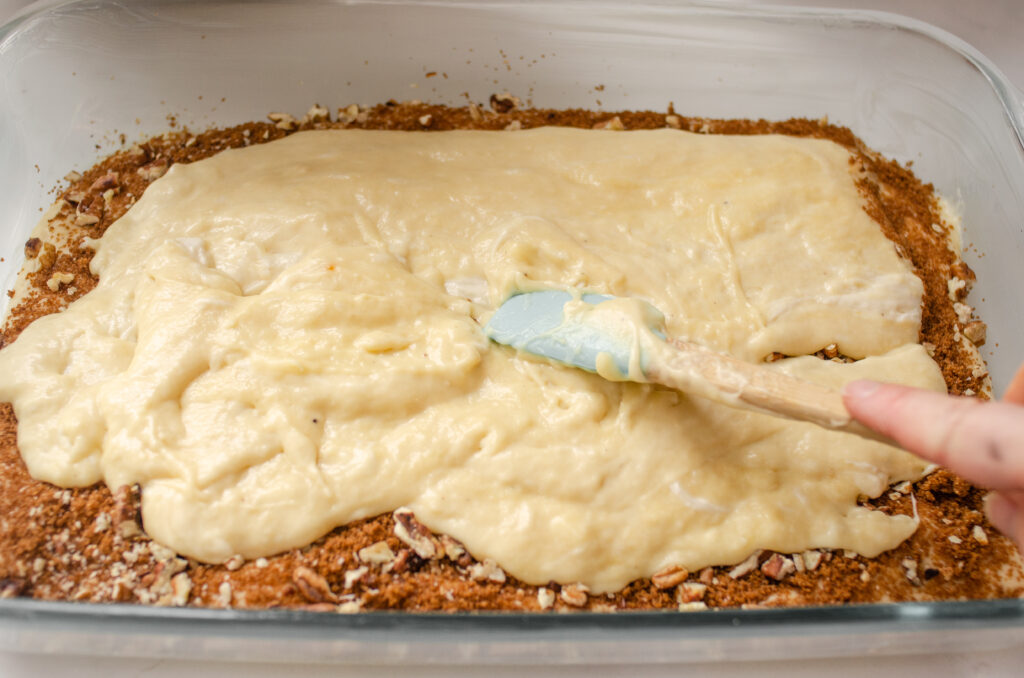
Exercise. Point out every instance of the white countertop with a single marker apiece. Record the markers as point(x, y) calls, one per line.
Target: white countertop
point(996, 27)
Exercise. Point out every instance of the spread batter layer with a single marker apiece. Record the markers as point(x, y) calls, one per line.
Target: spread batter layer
point(285, 339)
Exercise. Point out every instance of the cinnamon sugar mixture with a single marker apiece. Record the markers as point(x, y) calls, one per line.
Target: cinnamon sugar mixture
point(88, 544)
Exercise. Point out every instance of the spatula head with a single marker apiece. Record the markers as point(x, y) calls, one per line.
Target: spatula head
point(536, 322)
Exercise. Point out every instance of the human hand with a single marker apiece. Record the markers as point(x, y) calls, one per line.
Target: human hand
point(983, 441)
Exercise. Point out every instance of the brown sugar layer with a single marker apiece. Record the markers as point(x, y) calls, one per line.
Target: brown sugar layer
point(88, 544)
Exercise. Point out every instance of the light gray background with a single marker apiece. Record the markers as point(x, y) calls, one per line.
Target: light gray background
point(996, 28)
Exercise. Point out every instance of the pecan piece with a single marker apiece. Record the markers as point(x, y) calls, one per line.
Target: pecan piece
point(154, 170)
point(670, 576)
point(106, 182)
point(312, 586)
point(746, 567)
point(778, 567)
point(504, 102)
point(32, 247)
point(690, 592)
point(12, 587)
point(976, 332)
point(415, 534)
point(575, 595)
point(126, 511)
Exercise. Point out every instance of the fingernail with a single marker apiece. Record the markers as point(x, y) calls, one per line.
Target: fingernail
point(862, 388)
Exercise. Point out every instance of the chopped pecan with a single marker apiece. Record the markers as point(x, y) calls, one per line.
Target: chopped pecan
point(746, 567)
point(47, 256)
point(312, 586)
point(58, 279)
point(283, 121)
point(415, 534)
point(504, 102)
point(778, 567)
point(12, 587)
point(978, 532)
point(352, 577)
point(153, 170)
point(126, 511)
point(614, 124)
point(575, 595)
point(670, 576)
point(32, 247)
point(545, 598)
point(317, 113)
point(181, 589)
point(452, 548)
point(377, 553)
point(976, 332)
point(690, 592)
point(107, 181)
point(488, 570)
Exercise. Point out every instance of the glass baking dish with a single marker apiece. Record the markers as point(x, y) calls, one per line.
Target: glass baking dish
point(78, 75)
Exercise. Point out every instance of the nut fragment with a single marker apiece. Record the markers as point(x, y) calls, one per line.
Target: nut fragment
point(690, 592)
point(746, 567)
point(235, 562)
point(223, 597)
point(352, 577)
point(669, 577)
point(452, 548)
point(504, 102)
point(474, 112)
point(614, 124)
point(107, 181)
point(488, 570)
point(514, 126)
point(692, 607)
point(673, 121)
point(313, 586)
point(126, 511)
point(181, 587)
point(545, 598)
point(910, 569)
point(283, 121)
point(976, 332)
point(425, 120)
point(415, 534)
point(377, 553)
point(85, 219)
point(47, 256)
point(317, 113)
point(349, 114)
point(12, 587)
point(154, 170)
point(58, 279)
point(778, 567)
point(811, 559)
point(575, 595)
point(32, 247)
point(978, 532)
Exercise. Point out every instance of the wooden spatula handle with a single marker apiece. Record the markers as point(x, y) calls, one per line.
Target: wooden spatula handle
point(695, 369)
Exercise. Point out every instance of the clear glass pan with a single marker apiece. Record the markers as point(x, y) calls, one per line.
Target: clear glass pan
point(75, 75)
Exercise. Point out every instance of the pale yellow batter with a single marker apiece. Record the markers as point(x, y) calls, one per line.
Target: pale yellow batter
point(287, 337)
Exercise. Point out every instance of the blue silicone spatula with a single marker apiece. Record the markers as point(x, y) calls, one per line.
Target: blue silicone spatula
point(622, 339)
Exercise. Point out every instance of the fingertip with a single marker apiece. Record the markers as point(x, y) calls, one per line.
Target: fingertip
point(1002, 513)
point(861, 388)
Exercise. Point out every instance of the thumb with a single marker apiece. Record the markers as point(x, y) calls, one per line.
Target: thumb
point(982, 441)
